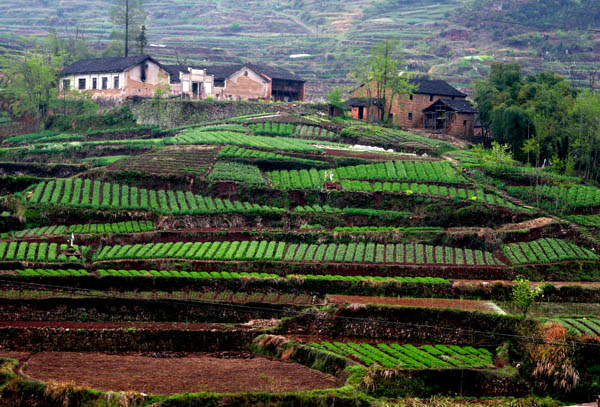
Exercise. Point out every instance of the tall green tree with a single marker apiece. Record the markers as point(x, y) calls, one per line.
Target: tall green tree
point(585, 134)
point(382, 75)
point(129, 17)
point(31, 84)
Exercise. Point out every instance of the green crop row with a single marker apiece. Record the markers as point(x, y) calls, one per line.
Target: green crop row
point(272, 129)
point(546, 251)
point(57, 230)
point(315, 132)
point(580, 326)
point(38, 252)
point(226, 275)
point(410, 356)
point(439, 171)
point(197, 136)
point(578, 196)
point(233, 171)
point(105, 196)
point(243, 153)
point(427, 190)
point(280, 251)
point(362, 229)
point(586, 220)
point(51, 273)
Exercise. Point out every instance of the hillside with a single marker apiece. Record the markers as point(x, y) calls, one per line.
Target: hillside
point(453, 39)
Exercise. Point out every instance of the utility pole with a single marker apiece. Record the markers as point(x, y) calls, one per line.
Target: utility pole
point(126, 28)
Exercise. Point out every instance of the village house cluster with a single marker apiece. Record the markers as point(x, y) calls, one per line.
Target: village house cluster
point(115, 79)
point(433, 105)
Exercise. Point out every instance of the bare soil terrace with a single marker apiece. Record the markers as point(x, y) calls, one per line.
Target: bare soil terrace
point(193, 373)
point(469, 305)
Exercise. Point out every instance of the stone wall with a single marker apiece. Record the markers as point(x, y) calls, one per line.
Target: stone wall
point(175, 113)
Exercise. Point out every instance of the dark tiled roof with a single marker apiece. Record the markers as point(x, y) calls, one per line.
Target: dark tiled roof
point(459, 106)
point(435, 87)
point(362, 102)
point(105, 65)
point(174, 71)
point(222, 72)
point(275, 72)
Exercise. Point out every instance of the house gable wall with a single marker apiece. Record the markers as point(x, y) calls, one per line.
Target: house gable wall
point(243, 85)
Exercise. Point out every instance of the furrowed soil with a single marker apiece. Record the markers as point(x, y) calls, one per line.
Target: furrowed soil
point(470, 305)
point(221, 373)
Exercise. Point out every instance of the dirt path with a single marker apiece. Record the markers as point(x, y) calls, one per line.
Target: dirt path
point(222, 373)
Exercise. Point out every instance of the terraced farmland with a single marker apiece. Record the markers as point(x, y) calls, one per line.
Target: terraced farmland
point(379, 273)
point(410, 356)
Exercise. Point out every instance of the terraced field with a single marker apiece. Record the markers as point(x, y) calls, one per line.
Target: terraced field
point(271, 247)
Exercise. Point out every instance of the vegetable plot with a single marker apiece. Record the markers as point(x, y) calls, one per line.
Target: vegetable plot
point(57, 230)
point(413, 254)
point(106, 196)
point(578, 196)
point(197, 136)
point(232, 171)
point(39, 252)
point(410, 356)
point(257, 155)
point(580, 326)
point(438, 171)
point(546, 251)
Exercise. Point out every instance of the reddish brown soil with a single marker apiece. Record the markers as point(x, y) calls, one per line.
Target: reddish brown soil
point(194, 373)
point(111, 325)
point(471, 305)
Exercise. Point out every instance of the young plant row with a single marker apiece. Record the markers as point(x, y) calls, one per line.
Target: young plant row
point(586, 220)
point(546, 251)
point(252, 155)
point(105, 196)
point(238, 172)
point(410, 356)
point(198, 136)
point(315, 132)
point(272, 129)
point(413, 254)
point(39, 252)
point(371, 213)
point(101, 228)
point(427, 190)
point(375, 229)
point(439, 171)
point(580, 326)
point(578, 196)
point(225, 275)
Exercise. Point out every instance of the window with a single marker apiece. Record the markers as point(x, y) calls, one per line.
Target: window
point(465, 123)
point(219, 84)
point(82, 84)
point(94, 83)
point(410, 116)
point(66, 84)
point(246, 73)
point(431, 98)
point(104, 83)
point(411, 97)
point(116, 81)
